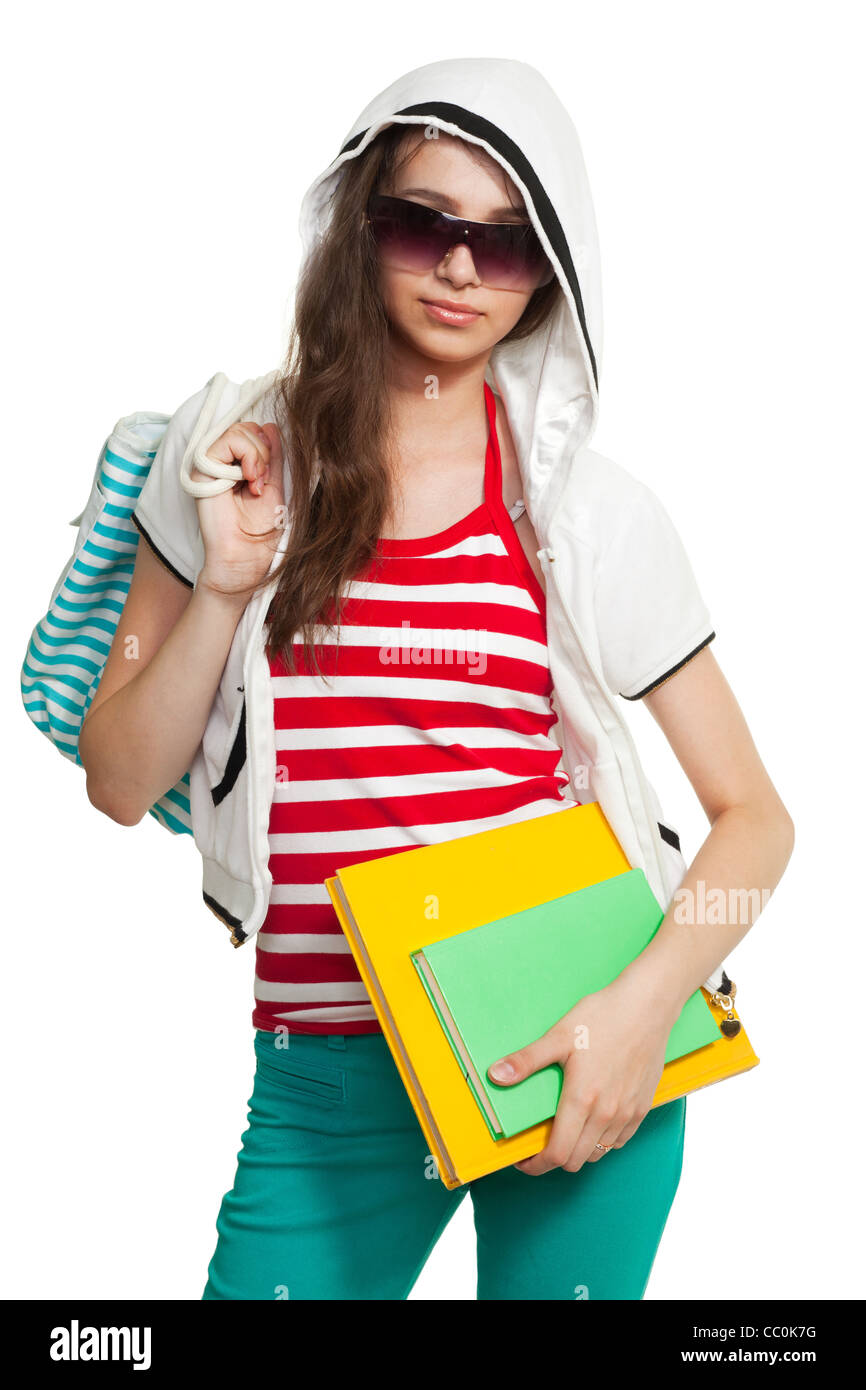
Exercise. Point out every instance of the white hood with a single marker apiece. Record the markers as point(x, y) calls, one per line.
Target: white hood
point(549, 381)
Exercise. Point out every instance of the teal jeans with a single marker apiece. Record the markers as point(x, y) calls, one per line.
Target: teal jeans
point(336, 1196)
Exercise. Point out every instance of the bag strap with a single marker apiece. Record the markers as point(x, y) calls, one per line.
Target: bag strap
point(220, 476)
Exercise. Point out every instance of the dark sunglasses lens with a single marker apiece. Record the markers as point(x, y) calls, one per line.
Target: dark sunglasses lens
point(511, 258)
point(411, 236)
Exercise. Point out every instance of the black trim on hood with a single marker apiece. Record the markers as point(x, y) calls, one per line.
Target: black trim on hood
point(499, 141)
point(667, 675)
point(159, 555)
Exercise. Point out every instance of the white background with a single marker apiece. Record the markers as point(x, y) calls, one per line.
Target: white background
point(155, 158)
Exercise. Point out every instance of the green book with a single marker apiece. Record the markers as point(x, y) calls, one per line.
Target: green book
point(499, 986)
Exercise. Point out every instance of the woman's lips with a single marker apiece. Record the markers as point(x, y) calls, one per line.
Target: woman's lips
point(455, 316)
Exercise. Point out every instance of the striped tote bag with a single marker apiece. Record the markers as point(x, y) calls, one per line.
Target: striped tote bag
point(68, 648)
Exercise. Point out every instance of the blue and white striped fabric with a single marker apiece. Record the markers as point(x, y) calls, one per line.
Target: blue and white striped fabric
point(68, 648)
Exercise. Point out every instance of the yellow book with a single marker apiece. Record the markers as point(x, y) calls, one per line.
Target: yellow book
point(391, 906)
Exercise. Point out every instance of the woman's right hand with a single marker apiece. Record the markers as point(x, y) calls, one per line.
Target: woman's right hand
point(240, 527)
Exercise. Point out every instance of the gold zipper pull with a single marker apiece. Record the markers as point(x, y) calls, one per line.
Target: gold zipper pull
point(724, 997)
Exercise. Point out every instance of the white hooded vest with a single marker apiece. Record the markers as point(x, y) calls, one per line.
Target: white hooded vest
point(624, 611)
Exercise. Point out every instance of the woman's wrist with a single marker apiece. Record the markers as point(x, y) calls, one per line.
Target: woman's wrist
point(641, 988)
point(212, 594)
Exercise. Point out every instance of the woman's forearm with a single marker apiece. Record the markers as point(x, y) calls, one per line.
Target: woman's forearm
point(141, 740)
point(725, 889)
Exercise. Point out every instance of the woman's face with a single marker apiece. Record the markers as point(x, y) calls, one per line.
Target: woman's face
point(442, 174)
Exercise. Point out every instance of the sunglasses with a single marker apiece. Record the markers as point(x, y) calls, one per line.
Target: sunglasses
point(412, 236)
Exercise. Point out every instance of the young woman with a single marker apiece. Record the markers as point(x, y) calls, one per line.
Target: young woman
point(418, 477)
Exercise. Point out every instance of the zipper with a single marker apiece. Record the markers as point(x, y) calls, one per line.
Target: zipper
point(255, 653)
point(547, 557)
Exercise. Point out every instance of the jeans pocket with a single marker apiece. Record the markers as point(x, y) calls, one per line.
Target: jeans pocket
point(293, 1075)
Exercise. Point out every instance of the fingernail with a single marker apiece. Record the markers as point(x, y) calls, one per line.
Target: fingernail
point(502, 1071)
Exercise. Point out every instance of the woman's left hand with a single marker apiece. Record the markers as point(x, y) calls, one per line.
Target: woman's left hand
point(611, 1048)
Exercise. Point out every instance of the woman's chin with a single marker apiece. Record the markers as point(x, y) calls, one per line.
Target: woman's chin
point(445, 344)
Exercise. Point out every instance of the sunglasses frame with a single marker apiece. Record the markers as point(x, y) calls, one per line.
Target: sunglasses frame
point(465, 232)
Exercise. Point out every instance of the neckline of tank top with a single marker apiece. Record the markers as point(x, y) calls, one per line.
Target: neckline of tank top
point(397, 546)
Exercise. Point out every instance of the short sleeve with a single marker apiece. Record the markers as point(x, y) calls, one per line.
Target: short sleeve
point(165, 514)
point(651, 616)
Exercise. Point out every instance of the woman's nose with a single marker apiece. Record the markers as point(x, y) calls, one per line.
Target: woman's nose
point(458, 266)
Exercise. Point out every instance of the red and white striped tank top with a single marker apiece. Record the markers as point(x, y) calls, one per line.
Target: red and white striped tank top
point(435, 724)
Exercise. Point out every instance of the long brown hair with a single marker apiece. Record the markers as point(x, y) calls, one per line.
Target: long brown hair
point(332, 406)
